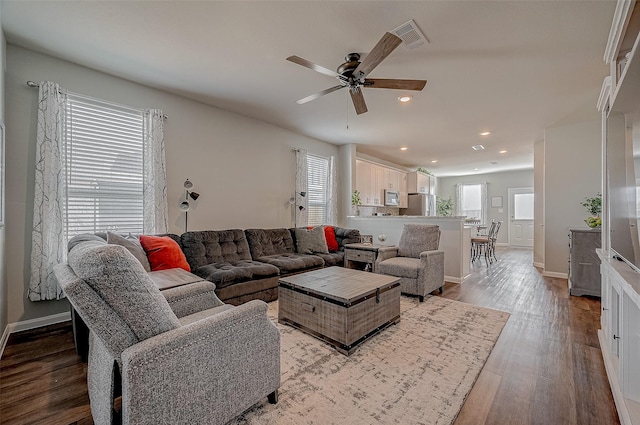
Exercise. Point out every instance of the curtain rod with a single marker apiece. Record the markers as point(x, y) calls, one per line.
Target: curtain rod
point(33, 84)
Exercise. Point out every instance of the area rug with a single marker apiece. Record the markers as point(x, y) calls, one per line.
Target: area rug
point(418, 371)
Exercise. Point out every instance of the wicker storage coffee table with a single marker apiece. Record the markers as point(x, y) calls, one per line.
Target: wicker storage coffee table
point(340, 306)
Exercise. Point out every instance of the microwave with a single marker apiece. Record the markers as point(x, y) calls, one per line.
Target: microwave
point(391, 198)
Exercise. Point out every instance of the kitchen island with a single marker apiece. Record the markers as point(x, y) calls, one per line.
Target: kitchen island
point(455, 238)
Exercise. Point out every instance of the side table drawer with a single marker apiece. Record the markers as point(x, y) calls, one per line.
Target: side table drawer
point(359, 255)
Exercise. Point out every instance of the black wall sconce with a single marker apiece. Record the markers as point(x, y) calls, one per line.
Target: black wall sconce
point(184, 205)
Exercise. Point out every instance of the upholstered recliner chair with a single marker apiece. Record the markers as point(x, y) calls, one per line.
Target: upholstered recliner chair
point(416, 260)
point(206, 367)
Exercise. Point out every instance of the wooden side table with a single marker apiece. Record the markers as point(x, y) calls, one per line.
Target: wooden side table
point(361, 253)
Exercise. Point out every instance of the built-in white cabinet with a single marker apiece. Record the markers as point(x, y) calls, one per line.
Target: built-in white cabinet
point(372, 179)
point(620, 319)
point(418, 182)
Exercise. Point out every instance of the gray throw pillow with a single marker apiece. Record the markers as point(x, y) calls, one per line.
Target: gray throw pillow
point(311, 241)
point(132, 244)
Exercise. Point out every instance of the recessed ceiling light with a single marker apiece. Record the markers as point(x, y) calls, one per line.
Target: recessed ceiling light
point(434, 161)
point(404, 148)
point(475, 169)
point(477, 147)
point(502, 151)
point(405, 99)
point(485, 133)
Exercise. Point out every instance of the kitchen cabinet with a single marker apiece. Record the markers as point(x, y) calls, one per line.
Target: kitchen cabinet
point(372, 180)
point(418, 182)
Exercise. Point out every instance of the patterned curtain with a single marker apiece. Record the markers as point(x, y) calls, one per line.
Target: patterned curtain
point(301, 218)
point(155, 206)
point(49, 242)
point(332, 207)
point(459, 199)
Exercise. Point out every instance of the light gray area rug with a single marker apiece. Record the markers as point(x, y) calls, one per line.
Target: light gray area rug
point(418, 371)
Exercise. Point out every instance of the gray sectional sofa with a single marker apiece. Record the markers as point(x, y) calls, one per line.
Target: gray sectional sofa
point(247, 264)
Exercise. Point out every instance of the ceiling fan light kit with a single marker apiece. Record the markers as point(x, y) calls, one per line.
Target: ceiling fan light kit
point(353, 72)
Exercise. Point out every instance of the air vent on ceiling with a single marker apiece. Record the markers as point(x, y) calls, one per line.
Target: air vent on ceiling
point(410, 34)
point(477, 147)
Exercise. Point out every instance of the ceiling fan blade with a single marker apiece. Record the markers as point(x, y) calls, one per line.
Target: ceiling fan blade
point(380, 51)
point(358, 100)
point(311, 65)
point(389, 83)
point(319, 94)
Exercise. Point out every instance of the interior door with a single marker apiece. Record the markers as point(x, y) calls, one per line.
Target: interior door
point(521, 217)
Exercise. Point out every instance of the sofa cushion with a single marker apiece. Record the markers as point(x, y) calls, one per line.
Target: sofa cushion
point(121, 282)
point(78, 239)
point(215, 246)
point(225, 274)
point(332, 258)
point(132, 243)
point(163, 253)
point(292, 262)
point(345, 236)
point(311, 241)
point(330, 236)
point(400, 267)
point(266, 242)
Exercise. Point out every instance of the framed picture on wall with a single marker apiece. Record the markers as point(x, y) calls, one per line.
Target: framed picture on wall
point(496, 201)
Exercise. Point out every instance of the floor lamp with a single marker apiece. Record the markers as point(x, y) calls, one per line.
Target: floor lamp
point(294, 201)
point(184, 205)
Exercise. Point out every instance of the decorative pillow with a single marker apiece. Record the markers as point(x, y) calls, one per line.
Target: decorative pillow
point(330, 236)
point(163, 253)
point(310, 241)
point(133, 245)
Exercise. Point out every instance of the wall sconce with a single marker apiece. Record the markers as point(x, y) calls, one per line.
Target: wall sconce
point(184, 205)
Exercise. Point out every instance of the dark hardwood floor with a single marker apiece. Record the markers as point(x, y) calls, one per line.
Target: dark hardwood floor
point(546, 368)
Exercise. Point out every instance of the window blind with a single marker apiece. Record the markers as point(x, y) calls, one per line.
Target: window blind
point(317, 189)
point(104, 167)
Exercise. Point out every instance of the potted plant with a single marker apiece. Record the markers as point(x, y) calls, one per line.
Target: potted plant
point(444, 207)
point(594, 206)
point(356, 201)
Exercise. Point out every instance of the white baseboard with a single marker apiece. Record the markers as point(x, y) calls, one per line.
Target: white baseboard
point(555, 274)
point(31, 324)
point(455, 279)
point(502, 244)
point(539, 265)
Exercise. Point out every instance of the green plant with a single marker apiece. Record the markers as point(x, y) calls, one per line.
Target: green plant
point(444, 207)
point(593, 205)
point(355, 198)
point(424, 170)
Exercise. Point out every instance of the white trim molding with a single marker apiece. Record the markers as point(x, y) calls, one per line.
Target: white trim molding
point(539, 265)
point(555, 274)
point(31, 324)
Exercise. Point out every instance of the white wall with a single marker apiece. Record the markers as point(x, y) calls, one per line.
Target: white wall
point(572, 172)
point(498, 184)
point(243, 168)
point(538, 208)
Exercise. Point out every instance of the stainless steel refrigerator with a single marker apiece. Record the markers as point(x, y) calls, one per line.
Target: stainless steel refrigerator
point(421, 204)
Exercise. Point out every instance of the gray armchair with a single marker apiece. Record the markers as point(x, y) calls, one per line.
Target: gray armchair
point(206, 367)
point(416, 260)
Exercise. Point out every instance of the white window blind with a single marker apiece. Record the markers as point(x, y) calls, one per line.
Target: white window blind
point(317, 189)
point(103, 162)
point(471, 201)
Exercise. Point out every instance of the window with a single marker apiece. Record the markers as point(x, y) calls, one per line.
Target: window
point(471, 201)
point(317, 190)
point(523, 206)
point(104, 167)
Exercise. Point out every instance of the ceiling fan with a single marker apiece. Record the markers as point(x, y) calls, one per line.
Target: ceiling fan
point(352, 74)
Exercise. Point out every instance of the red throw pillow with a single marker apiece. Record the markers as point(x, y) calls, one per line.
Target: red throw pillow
point(163, 253)
point(330, 236)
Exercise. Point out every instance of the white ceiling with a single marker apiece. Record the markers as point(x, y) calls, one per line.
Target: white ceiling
point(510, 67)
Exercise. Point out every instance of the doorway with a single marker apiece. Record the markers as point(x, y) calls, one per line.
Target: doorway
point(521, 217)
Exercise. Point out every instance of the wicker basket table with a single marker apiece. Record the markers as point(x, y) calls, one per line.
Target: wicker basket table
point(340, 306)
